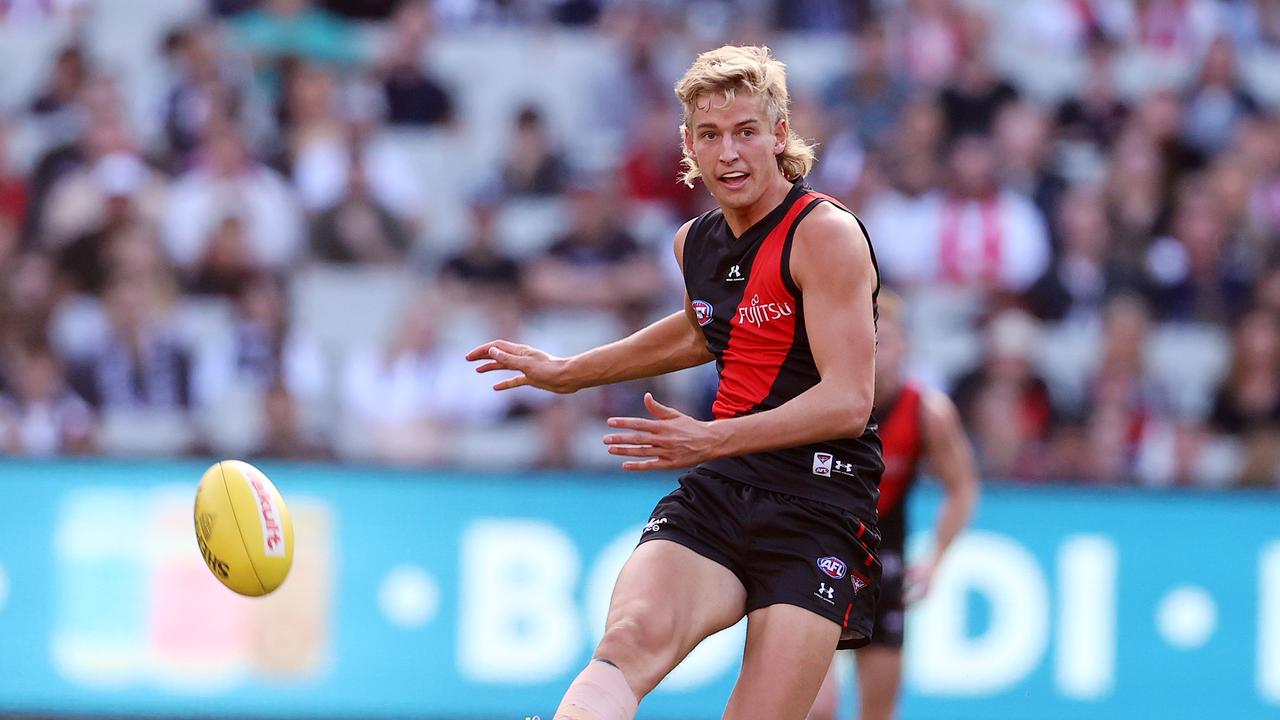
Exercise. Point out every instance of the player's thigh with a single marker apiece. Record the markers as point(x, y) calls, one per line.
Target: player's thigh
point(879, 677)
point(667, 599)
point(789, 649)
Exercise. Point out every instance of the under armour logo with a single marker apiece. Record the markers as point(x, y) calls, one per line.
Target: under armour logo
point(843, 467)
point(826, 593)
point(734, 274)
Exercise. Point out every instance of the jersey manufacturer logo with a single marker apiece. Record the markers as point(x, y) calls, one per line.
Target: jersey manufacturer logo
point(704, 311)
point(655, 524)
point(833, 566)
point(826, 593)
point(735, 274)
point(822, 464)
point(759, 313)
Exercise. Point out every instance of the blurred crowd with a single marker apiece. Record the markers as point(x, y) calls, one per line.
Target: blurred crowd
point(264, 251)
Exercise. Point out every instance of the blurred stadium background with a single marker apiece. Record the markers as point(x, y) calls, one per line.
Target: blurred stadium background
point(270, 229)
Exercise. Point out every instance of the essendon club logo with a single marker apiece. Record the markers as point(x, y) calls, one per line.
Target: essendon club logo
point(859, 581)
point(822, 464)
point(703, 310)
point(833, 566)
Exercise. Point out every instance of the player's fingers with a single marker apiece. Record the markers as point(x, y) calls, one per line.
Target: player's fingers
point(480, 352)
point(644, 451)
point(630, 423)
point(632, 439)
point(655, 464)
point(488, 367)
point(506, 359)
point(514, 382)
point(483, 351)
point(658, 409)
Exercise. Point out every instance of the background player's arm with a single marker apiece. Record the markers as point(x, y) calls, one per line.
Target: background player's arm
point(831, 263)
point(673, 343)
point(950, 458)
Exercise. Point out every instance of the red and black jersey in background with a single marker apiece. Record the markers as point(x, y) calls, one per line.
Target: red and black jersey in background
point(752, 314)
point(903, 438)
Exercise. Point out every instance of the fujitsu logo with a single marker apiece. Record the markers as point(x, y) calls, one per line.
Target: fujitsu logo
point(760, 313)
point(272, 538)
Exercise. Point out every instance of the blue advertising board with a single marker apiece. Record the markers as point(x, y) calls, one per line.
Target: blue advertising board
point(451, 595)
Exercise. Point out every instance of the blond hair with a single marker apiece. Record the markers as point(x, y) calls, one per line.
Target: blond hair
point(753, 70)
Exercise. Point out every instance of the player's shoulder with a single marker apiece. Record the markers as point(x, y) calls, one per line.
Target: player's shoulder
point(690, 228)
point(830, 233)
point(938, 412)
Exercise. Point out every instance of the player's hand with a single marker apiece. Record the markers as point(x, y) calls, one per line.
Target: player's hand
point(918, 581)
point(534, 366)
point(673, 439)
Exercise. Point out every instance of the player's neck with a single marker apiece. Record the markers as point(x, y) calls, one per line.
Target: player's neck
point(741, 219)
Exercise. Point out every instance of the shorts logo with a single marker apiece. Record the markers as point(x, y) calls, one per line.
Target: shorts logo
point(859, 581)
point(655, 524)
point(828, 594)
point(822, 464)
point(703, 310)
point(833, 566)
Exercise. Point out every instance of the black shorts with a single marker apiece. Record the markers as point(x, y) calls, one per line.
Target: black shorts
point(890, 611)
point(784, 549)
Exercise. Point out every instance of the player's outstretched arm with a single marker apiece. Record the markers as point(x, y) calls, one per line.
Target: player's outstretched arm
point(831, 262)
point(950, 457)
point(673, 343)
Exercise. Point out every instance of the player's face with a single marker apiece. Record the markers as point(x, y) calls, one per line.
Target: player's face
point(891, 350)
point(736, 147)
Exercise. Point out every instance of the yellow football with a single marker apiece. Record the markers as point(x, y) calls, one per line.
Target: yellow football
point(243, 528)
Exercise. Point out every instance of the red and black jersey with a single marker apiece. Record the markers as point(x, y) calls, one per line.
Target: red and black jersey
point(752, 314)
point(902, 433)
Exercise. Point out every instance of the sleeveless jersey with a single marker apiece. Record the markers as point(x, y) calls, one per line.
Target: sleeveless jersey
point(752, 315)
point(903, 439)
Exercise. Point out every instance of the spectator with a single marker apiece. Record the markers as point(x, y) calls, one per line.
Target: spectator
point(975, 234)
point(1126, 407)
point(1247, 403)
point(140, 366)
point(481, 271)
point(112, 187)
point(976, 92)
point(327, 151)
point(1005, 403)
point(534, 166)
point(651, 167)
point(205, 88)
point(13, 187)
point(358, 229)
point(408, 399)
point(1080, 279)
point(1193, 276)
point(41, 415)
point(412, 96)
point(928, 39)
point(286, 438)
point(597, 265)
point(1094, 113)
point(1022, 134)
point(227, 182)
point(870, 99)
point(295, 28)
point(1217, 102)
point(263, 349)
point(66, 82)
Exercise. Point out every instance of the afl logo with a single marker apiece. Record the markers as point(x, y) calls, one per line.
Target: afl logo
point(832, 566)
point(704, 311)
